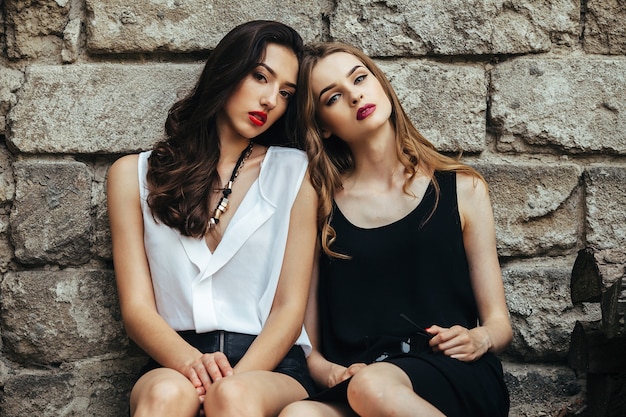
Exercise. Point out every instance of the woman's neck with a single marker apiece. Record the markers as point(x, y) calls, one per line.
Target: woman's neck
point(376, 161)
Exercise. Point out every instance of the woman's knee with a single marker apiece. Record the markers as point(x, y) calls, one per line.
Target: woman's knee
point(163, 393)
point(297, 409)
point(230, 396)
point(373, 391)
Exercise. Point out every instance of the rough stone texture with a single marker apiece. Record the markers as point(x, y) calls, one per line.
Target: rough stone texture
point(605, 198)
point(541, 309)
point(3, 41)
point(95, 387)
point(535, 207)
point(50, 317)
point(577, 105)
point(184, 26)
point(73, 36)
point(422, 87)
point(542, 390)
point(10, 81)
point(7, 186)
point(102, 245)
point(461, 27)
point(51, 218)
point(605, 27)
point(35, 27)
point(538, 110)
point(95, 108)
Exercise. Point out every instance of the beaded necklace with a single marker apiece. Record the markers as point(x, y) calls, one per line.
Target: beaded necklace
point(222, 206)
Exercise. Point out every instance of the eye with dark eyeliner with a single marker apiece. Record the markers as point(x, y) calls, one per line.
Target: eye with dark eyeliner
point(332, 99)
point(259, 76)
point(286, 94)
point(360, 79)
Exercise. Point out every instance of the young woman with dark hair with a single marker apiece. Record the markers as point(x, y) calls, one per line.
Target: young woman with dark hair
point(213, 239)
point(407, 308)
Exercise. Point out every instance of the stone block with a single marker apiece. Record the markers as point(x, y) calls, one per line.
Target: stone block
point(36, 393)
point(102, 244)
point(542, 390)
point(605, 27)
point(10, 81)
point(95, 387)
point(605, 199)
point(51, 317)
point(7, 186)
point(572, 104)
point(542, 314)
point(51, 218)
point(537, 208)
point(118, 26)
point(96, 108)
point(35, 27)
point(425, 88)
point(425, 27)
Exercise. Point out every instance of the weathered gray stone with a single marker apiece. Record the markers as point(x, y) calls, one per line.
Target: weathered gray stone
point(36, 393)
point(542, 390)
point(577, 105)
point(71, 35)
point(537, 208)
point(35, 27)
point(424, 88)
point(606, 206)
point(605, 27)
point(542, 314)
point(50, 317)
point(102, 245)
point(94, 387)
point(3, 41)
point(7, 186)
point(107, 108)
point(10, 81)
point(183, 26)
point(51, 217)
point(421, 27)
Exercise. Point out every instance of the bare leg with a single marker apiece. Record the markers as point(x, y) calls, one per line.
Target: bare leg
point(316, 409)
point(383, 389)
point(252, 394)
point(164, 392)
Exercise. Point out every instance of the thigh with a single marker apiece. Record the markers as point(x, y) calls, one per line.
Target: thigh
point(316, 409)
point(163, 388)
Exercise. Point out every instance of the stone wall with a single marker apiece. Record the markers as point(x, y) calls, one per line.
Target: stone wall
point(533, 92)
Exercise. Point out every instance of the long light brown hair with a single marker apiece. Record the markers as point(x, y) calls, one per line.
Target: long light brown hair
point(331, 158)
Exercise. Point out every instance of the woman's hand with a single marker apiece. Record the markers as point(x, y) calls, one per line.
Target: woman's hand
point(206, 369)
point(340, 373)
point(459, 342)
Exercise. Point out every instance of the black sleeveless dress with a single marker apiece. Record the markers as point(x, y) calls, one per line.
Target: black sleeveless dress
point(410, 274)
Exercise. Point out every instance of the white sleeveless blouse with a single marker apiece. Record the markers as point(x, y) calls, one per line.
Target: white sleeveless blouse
point(232, 288)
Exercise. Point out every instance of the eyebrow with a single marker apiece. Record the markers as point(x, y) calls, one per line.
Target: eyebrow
point(271, 71)
point(333, 85)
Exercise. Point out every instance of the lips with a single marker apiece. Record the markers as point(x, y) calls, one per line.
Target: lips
point(257, 117)
point(365, 111)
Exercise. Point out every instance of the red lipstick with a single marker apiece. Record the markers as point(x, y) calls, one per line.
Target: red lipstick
point(258, 117)
point(365, 111)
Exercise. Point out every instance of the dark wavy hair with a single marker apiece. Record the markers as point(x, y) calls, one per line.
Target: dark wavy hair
point(182, 169)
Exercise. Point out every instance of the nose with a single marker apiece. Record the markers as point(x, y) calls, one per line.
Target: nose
point(356, 97)
point(269, 98)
